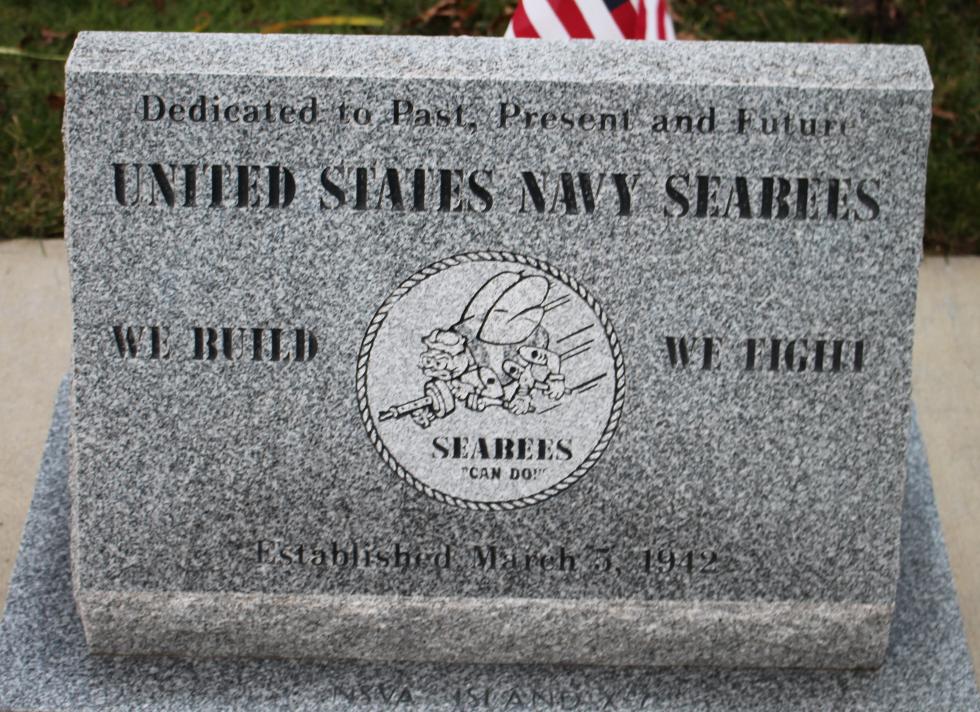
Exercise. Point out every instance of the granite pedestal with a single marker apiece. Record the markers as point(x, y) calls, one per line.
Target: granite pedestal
point(45, 664)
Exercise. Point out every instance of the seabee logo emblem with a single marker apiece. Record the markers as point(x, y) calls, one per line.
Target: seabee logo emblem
point(490, 381)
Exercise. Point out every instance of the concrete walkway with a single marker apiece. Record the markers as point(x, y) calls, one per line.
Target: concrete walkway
point(35, 334)
point(946, 389)
point(35, 340)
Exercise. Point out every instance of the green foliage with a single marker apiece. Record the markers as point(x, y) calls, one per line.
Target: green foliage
point(31, 87)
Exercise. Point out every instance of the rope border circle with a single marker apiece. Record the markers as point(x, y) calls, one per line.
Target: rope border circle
point(381, 314)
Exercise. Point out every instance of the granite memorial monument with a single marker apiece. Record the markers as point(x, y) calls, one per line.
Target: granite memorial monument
point(460, 350)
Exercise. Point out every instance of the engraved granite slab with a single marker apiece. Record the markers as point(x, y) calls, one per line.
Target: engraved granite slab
point(45, 665)
point(458, 349)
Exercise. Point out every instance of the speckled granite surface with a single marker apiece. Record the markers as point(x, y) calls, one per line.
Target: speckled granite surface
point(277, 242)
point(45, 666)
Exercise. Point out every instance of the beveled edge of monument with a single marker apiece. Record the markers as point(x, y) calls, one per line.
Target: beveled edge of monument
point(739, 64)
point(620, 633)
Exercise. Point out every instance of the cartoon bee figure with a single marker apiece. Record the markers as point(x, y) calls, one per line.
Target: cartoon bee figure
point(496, 355)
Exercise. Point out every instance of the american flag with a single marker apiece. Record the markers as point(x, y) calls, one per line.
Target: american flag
point(592, 19)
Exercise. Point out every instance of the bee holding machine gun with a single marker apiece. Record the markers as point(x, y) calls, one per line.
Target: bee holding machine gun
point(496, 355)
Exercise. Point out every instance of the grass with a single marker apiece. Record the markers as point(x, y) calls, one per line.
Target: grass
point(31, 87)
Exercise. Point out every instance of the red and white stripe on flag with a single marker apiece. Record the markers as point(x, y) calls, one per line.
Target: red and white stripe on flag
point(592, 19)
